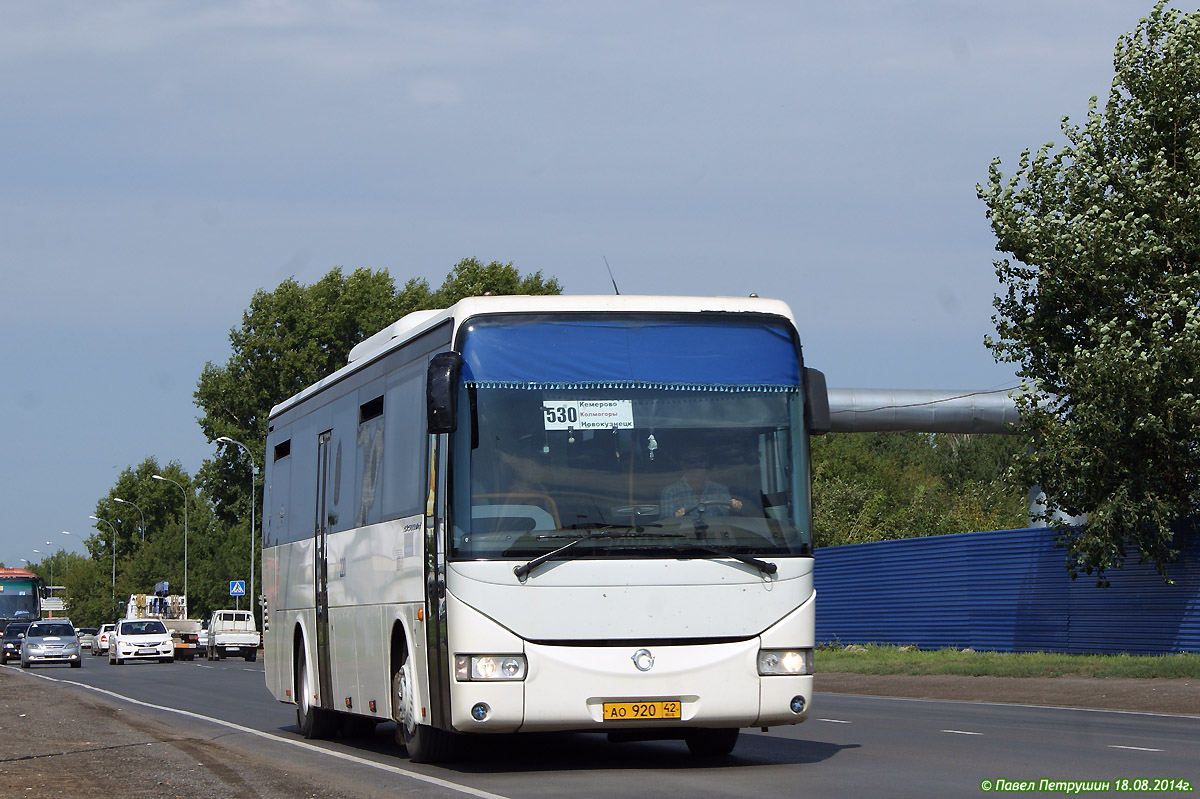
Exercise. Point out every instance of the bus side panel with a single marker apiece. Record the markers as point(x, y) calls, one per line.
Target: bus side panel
point(272, 662)
point(278, 643)
point(372, 570)
point(344, 665)
point(295, 569)
point(293, 594)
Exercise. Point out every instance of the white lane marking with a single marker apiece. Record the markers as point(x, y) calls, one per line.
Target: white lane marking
point(1020, 704)
point(466, 789)
point(962, 732)
point(1134, 748)
point(836, 721)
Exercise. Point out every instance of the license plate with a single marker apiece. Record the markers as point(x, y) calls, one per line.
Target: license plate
point(147, 651)
point(635, 711)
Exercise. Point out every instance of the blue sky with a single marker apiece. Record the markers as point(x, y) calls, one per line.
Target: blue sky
point(159, 162)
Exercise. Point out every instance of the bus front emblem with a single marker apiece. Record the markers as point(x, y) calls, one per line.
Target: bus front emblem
point(643, 660)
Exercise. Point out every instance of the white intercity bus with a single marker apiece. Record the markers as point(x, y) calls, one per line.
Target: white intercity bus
point(548, 513)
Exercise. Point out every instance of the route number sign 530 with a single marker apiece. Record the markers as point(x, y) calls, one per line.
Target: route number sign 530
point(587, 414)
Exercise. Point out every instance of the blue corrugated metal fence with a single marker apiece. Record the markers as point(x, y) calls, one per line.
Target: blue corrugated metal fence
point(1007, 591)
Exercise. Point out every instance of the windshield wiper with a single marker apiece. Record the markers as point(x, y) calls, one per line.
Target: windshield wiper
point(762, 565)
point(611, 532)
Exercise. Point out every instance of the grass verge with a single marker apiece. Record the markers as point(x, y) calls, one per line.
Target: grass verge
point(874, 659)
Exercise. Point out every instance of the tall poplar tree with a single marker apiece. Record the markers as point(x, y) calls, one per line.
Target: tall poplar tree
point(1100, 306)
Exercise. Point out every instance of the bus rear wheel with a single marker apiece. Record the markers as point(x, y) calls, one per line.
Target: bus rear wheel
point(424, 744)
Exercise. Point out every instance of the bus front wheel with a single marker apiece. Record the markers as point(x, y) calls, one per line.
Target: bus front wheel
point(425, 744)
point(314, 722)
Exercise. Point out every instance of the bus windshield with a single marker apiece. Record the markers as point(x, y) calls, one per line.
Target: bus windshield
point(19, 600)
point(713, 458)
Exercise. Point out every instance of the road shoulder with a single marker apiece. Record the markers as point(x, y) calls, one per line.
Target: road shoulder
point(1149, 696)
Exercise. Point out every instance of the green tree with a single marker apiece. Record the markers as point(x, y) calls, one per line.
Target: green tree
point(881, 486)
point(1101, 307)
point(471, 278)
point(89, 597)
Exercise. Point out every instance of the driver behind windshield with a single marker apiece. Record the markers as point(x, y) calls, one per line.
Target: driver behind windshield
point(694, 492)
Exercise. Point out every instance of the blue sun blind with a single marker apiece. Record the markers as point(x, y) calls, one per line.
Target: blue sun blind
point(736, 353)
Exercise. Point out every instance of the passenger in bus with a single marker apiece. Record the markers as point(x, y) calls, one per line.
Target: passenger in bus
point(694, 492)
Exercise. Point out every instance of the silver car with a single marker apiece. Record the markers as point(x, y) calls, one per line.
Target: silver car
point(52, 641)
point(86, 634)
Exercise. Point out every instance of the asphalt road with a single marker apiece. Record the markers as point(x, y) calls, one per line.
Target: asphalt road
point(854, 745)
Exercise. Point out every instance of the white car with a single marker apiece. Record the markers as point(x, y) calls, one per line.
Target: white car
point(100, 639)
point(140, 639)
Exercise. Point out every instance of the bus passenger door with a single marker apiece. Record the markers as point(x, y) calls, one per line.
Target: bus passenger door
point(321, 573)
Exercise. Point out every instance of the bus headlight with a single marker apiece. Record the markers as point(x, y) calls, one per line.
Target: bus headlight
point(489, 667)
point(784, 661)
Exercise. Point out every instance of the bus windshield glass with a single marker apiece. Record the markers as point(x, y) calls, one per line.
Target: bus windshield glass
point(674, 437)
point(19, 599)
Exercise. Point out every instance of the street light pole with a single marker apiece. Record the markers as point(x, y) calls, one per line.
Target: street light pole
point(67, 558)
point(185, 528)
point(43, 560)
point(253, 468)
point(49, 544)
point(114, 554)
point(139, 510)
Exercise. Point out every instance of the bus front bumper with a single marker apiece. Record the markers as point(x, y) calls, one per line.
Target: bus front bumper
point(631, 687)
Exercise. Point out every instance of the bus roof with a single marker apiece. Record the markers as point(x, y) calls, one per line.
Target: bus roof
point(414, 324)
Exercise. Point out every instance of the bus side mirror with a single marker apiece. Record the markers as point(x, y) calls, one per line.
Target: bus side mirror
point(816, 402)
point(441, 392)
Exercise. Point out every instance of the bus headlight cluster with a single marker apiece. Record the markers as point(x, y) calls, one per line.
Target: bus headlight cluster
point(785, 661)
point(489, 667)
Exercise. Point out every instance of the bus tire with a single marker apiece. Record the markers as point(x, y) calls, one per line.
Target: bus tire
point(705, 742)
point(423, 743)
point(314, 722)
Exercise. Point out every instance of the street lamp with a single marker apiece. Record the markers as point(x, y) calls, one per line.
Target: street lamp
point(67, 557)
point(114, 550)
point(50, 544)
point(139, 510)
point(185, 528)
point(43, 560)
point(253, 469)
